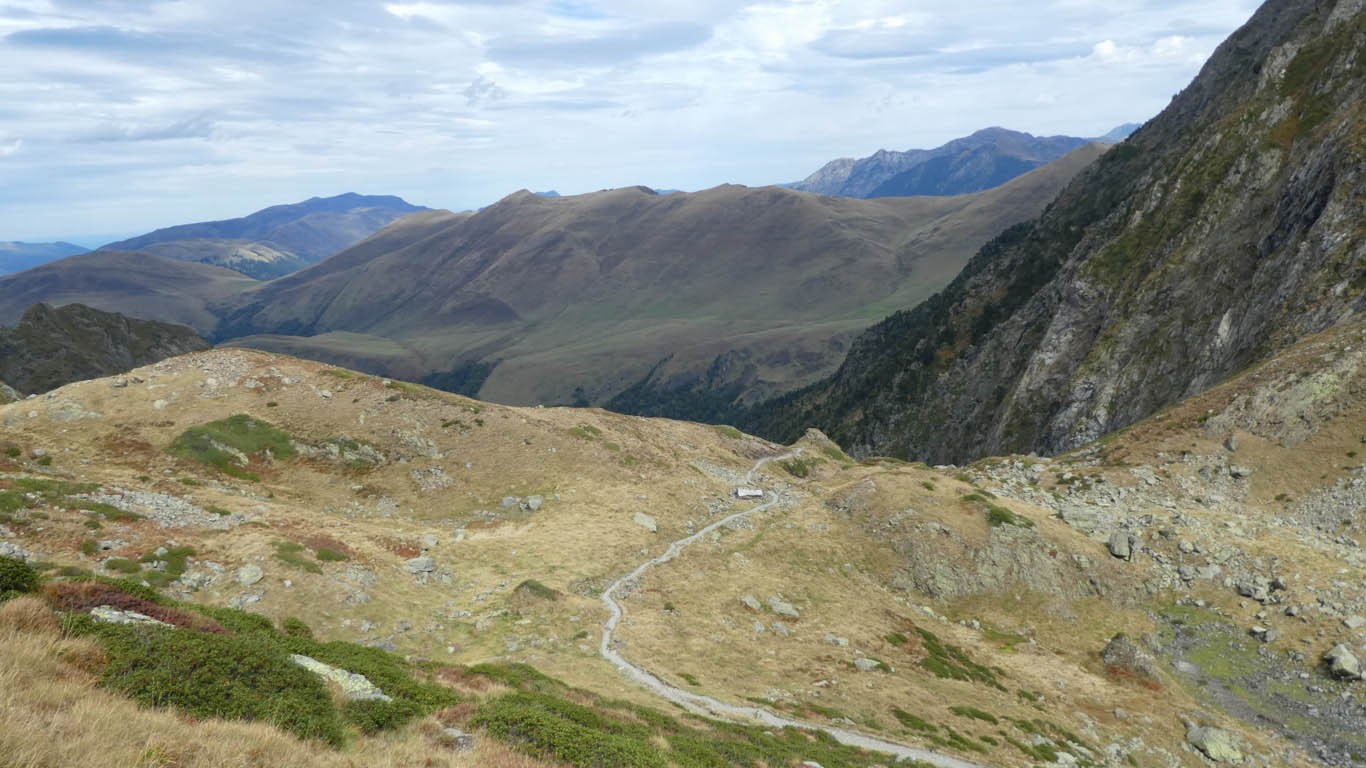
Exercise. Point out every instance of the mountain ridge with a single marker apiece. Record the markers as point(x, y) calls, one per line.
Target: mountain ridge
point(982, 160)
point(277, 240)
point(1054, 334)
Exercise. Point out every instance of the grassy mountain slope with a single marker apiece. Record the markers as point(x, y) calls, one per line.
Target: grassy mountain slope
point(277, 240)
point(1220, 232)
point(17, 257)
point(978, 598)
point(51, 347)
point(986, 159)
point(134, 284)
point(592, 292)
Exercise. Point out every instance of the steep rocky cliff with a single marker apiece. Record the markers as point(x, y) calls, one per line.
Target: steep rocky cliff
point(1225, 229)
point(51, 347)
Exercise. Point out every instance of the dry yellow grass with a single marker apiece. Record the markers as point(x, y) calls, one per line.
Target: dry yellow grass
point(685, 620)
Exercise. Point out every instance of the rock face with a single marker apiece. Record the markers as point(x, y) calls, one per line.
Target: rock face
point(8, 394)
point(1221, 232)
point(52, 347)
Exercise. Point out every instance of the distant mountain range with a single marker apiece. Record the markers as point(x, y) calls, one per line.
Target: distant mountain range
point(573, 299)
point(17, 257)
point(278, 240)
point(986, 159)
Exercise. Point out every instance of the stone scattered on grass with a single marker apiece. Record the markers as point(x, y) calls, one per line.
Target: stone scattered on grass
point(355, 687)
point(111, 615)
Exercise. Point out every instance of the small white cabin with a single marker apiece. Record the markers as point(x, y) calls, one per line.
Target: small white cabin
point(748, 493)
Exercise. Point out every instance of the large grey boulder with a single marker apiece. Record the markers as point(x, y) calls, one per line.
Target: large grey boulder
point(419, 565)
point(1122, 545)
point(1343, 663)
point(1122, 653)
point(1217, 744)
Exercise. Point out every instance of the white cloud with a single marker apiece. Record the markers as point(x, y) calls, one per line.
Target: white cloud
point(216, 108)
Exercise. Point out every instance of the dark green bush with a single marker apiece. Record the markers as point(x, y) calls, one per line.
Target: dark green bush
point(234, 677)
point(17, 576)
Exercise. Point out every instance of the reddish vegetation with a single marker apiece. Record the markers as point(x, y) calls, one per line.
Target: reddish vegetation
point(326, 542)
point(405, 549)
point(1120, 674)
point(85, 595)
point(463, 679)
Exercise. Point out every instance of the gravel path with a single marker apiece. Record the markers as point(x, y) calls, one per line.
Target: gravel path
point(709, 707)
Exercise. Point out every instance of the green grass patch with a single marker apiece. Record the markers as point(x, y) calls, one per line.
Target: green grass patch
point(689, 679)
point(913, 722)
point(291, 553)
point(175, 559)
point(998, 516)
point(837, 454)
point(537, 590)
point(800, 468)
point(927, 485)
point(726, 430)
point(973, 713)
point(896, 638)
point(590, 731)
point(950, 662)
point(585, 432)
point(328, 555)
point(122, 565)
point(221, 444)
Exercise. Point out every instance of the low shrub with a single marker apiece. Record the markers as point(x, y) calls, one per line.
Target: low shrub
point(17, 576)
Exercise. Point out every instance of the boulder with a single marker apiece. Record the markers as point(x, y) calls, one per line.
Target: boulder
point(1216, 744)
point(751, 602)
point(1122, 545)
point(1122, 653)
point(645, 521)
point(533, 503)
point(865, 664)
point(419, 565)
point(1343, 663)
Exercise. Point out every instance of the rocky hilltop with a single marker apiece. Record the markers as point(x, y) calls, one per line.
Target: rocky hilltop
point(1219, 233)
point(51, 347)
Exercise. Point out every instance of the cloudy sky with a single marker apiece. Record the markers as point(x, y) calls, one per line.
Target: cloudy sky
point(120, 116)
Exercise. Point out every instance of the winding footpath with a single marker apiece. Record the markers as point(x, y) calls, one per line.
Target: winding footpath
point(709, 707)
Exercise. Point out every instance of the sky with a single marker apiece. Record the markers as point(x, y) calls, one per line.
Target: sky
point(121, 116)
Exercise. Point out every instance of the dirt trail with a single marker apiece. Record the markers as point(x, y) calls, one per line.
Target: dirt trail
point(709, 707)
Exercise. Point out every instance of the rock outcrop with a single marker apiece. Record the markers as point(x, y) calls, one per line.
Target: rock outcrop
point(51, 347)
point(1221, 232)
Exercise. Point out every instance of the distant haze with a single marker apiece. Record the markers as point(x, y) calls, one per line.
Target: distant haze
point(127, 117)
